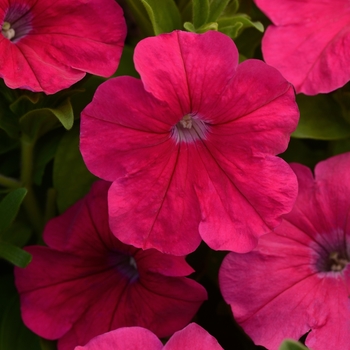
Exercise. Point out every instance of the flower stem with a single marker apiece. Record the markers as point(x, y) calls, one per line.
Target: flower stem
point(30, 202)
point(9, 182)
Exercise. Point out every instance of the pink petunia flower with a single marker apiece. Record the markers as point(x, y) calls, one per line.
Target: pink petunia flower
point(86, 282)
point(191, 146)
point(298, 278)
point(309, 42)
point(50, 45)
point(192, 337)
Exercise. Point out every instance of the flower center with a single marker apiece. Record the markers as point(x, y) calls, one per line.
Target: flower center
point(7, 31)
point(190, 129)
point(126, 265)
point(17, 22)
point(337, 261)
point(132, 262)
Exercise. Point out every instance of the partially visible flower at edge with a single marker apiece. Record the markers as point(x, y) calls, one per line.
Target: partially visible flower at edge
point(50, 45)
point(192, 337)
point(309, 42)
point(86, 282)
point(191, 146)
point(297, 279)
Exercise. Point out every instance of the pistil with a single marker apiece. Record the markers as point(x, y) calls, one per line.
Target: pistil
point(7, 31)
point(337, 262)
point(186, 121)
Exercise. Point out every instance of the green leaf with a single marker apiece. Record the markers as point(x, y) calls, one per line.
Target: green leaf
point(233, 30)
point(48, 344)
point(14, 255)
point(248, 41)
point(64, 113)
point(71, 179)
point(340, 146)
point(25, 103)
point(233, 25)
point(7, 291)
point(306, 151)
point(206, 27)
point(232, 8)
point(17, 234)
point(217, 7)
point(200, 12)
point(290, 344)
point(44, 152)
point(9, 207)
point(141, 17)
point(320, 118)
point(13, 333)
point(164, 15)
point(189, 27)
point(7, 143)
point(8, 121)
point(38, 122)
point(342, 96)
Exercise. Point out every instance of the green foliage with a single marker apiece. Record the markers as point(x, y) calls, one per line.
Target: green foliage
point(38, 122)
point(289, 344)
point(218, 7)
point(248, 42)
point(7, 143)
point(164, 15)
point(17, 234)
point(342, 96)
point(200, 12)
point(14, 255)
point(9, 207)
point(8, 121)
point(34, 114)
point(221, 16)
point(47, 344)
point(340, 146)
point(232, 26)
point(13, 334)
point(306, 151)
point(45, 151)
point(321, 118)
point(141, 17)
point(71, 179)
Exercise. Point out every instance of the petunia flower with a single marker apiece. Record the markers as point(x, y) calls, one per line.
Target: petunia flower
point(308, 42)
point(191, 146)
point(192, 337)
point(297, 279)
point(86, 282)
point(49, 45)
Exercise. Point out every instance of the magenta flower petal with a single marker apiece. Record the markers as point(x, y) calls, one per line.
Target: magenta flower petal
point(191, 337)
point(297, 279)
point(309, 43)
point(127, 338)
point(186, 68)
point(133, 147)
point(191, 147)
point(49, 46)
point(86, 282)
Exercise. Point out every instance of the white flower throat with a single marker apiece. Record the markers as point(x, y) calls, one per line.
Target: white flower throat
point(190, 129)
